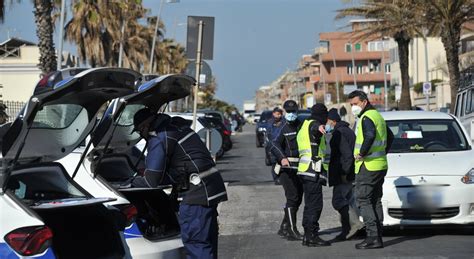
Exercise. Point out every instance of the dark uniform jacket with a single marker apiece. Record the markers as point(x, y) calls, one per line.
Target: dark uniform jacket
point(284, 145)
point(342, 154)
point(177, 155)
point(273, 130)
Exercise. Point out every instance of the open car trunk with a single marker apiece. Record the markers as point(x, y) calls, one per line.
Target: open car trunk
point(157, 210)
point(82, 226)
point(115, 156)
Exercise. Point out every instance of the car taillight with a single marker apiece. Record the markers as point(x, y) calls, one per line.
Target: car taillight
point(227, 132)
point(130, 213)
point(30, 240)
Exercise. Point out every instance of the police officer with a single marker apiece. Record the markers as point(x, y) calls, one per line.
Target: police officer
point(373, 140)
point(177, 155)
point(285, 149)
point(341, 174)
point(273, 128)
point(311, 146)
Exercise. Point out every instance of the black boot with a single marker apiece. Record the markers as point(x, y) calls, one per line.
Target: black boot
point(370, 243)
point(284, 226)
point(356, 225)
point(345, 224)
point(312, 239)
point(293, 233)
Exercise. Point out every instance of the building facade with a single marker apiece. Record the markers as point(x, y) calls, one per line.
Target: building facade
point(19, 72)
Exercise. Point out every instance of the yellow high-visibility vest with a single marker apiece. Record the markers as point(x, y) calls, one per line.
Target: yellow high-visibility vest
point(305, 148)
point(376, 159)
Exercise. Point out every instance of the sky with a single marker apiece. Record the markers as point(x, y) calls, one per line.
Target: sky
point(255, 41)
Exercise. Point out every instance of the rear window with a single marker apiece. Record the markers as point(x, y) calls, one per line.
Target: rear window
point(126, 118)
point(426, 136)
point(57, 116)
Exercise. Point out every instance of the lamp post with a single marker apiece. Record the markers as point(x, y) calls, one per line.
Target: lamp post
point(384, 74)
point(61, 35)
point(156, 31)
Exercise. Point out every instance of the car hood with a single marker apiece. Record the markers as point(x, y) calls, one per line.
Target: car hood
point(152, 94)
point(439, 163)
point(55, 122)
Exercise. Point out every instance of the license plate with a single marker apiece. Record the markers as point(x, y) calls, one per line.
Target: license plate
point(424, 198)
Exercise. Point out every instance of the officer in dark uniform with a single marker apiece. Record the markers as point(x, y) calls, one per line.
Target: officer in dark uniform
point(285, 149)
point(176, 155)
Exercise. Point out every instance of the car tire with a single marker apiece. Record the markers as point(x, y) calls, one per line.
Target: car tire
point(220, 153)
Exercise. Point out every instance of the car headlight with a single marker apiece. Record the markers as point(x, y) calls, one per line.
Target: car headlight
point(469, 177)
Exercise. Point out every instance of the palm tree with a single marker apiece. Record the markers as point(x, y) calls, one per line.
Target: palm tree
point(44, 31)
point(2, 10)
point(170, 57)
point(91, 31)
point(398, 19)
point(445, 18)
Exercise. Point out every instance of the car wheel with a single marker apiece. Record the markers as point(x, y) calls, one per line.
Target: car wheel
point(220, 153)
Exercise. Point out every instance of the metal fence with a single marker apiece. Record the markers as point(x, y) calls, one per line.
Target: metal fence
point(12, 109)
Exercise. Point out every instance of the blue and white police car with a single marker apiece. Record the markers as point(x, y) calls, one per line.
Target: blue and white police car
point(45, 213)
point(152, 229)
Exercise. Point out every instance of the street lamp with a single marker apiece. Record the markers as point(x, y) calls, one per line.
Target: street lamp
point(156, 31)
point(61, 33)
point(384, 73)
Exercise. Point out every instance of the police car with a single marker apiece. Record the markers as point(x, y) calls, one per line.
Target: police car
point(430, 179)
point(45, 212)
point(152, 230)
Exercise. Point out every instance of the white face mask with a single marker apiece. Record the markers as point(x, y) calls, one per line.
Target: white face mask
point(356, 109)
point(291, 116)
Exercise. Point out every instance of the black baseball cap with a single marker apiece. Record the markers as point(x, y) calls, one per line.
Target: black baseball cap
point(141, 116)
point(290, 106)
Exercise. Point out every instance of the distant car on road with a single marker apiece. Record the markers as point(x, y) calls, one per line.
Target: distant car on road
point(261, 127)
point(430, 179)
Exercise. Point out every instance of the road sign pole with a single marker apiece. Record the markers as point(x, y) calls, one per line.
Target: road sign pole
point(198, 71)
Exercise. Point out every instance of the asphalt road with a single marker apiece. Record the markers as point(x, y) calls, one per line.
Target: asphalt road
point(250, 219)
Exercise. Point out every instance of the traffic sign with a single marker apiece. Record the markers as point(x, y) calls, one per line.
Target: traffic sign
point(427, 88)
point(206, 72)
point(398, 92)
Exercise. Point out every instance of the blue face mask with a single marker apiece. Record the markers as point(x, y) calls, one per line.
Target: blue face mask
point(291, 116)
point(328, 128)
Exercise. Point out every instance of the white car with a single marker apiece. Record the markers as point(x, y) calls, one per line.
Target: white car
point(45, 213)
point(430, 179)
point(153, 230)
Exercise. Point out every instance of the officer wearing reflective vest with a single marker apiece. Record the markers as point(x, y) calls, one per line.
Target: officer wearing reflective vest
point(312, 169)
point(285, 149)
point(373, 140)
point(176, 155)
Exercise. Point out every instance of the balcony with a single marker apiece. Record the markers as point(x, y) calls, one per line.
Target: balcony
point(361, 78)
point(346, 56)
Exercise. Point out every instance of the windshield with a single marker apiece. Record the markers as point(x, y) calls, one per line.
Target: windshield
point(126, 119)
point(426, 136)
point(57, 116)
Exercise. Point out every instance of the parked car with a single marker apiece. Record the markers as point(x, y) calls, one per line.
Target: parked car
point(261, 128)
point(46, 213)
point(219, 126)
point(154, 230)
point(430, 178)
point(464, 108)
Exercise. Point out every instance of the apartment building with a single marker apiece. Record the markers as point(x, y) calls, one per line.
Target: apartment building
point(349, 62)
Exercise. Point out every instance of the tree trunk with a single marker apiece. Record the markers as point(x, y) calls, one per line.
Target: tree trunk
point(403, 42)
point(450, 37)
point(44, 31)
